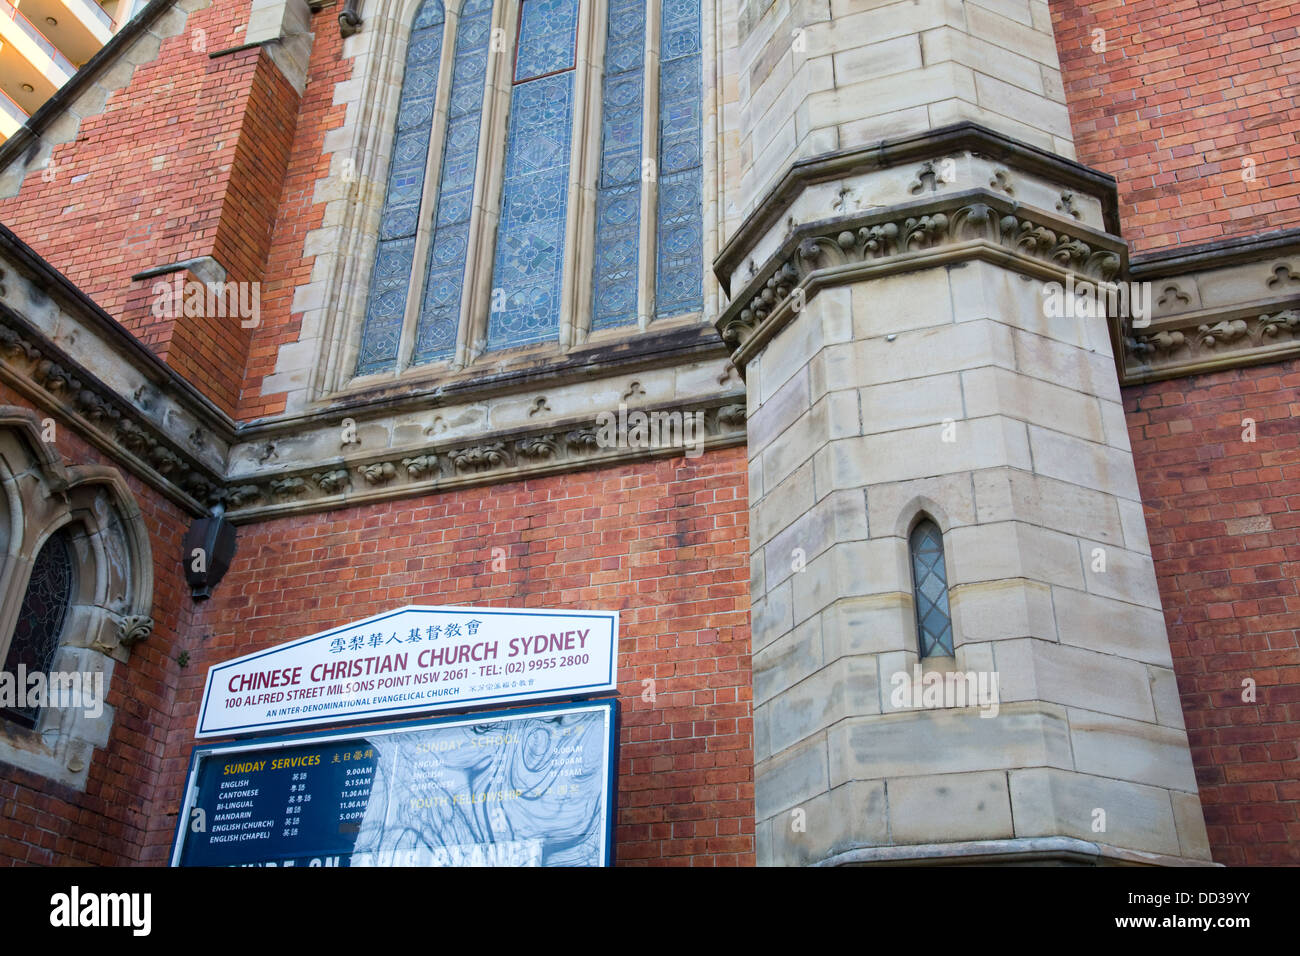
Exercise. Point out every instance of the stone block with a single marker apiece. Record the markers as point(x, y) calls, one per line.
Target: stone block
point(1085, 463)
point(1006, 494)
point(787, 660)
point(904, 744)
point(1012, 549)
point(949, 808)
point(851, 815)
point(921, 452)
point(790, 778)
point(842, 689)
point(850, 569)
point(1101, 624)
point(1061, 803)
point(911, 404)
point(873, 624)
point(892, 508)
point(1001, 610)
point(1001, 391)
point(838, 517)
point(1128, 749)
point(1060, 674)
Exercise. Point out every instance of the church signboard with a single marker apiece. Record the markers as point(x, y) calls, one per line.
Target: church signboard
point(412, 661)
point(531, 786)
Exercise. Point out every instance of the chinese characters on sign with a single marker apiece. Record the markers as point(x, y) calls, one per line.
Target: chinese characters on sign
point(414, 660)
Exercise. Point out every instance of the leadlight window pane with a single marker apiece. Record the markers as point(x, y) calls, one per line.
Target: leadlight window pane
point(528, 270)
point(382, 332)
point(618, 196)
point(435, 337)
point(930, 590)
point(547, 38)
point(41, 616)
point(679, 272)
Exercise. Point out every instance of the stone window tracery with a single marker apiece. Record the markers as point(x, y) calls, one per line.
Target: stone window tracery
point(545, 179)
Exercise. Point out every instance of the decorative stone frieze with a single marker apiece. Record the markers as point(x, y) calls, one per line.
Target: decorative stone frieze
point(562, 446)
point(969, 224)
point(1216, 306)
point(37, 367)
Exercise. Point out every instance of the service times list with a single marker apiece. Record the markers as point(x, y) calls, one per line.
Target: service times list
point(297, 807)
point(527, 787)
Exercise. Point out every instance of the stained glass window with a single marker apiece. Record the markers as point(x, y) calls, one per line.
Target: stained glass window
point(533, 244)
point(440, 313)
point(529, 269)
point(40, 618)
point(930, 591)
point(618, 193)
point(679, 275)
point(386, 307)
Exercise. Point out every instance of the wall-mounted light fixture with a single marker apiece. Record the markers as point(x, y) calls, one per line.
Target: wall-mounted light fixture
point(209, 548)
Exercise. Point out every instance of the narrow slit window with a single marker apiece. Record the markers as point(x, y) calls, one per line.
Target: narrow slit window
point(930, 591)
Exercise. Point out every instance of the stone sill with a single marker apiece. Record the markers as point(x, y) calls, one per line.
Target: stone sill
point(1023, 851)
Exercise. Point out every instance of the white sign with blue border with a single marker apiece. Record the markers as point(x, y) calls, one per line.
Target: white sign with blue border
point(409, 661)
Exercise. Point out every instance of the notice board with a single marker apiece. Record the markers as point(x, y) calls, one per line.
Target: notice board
point(531, 787)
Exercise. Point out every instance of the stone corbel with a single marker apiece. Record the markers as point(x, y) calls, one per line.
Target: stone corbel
point(133, 628)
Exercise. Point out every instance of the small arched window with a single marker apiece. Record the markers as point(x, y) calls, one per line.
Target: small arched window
point(41, 616)
point(930, 590)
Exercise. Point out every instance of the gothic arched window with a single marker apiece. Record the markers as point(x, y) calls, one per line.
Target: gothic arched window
point(930, 590)
point(76, 589)
point(511, 114)
point(41, 616)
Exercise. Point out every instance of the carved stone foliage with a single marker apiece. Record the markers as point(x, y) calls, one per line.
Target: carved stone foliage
point(1210, 343)
point(120, 425)
point(133, 629)
point(481, 457)
point(333, 481)
point(867, 240)
point(379, 472)
point(538, 451)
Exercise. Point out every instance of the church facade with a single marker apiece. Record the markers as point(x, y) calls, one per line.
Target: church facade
point(916, 378)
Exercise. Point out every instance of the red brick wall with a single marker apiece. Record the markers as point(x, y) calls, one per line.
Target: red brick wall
point(187, 161)
point(1224, 520)
point(288, 264)
point(45, 823)
point(1184, 91)
point(665, 543)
